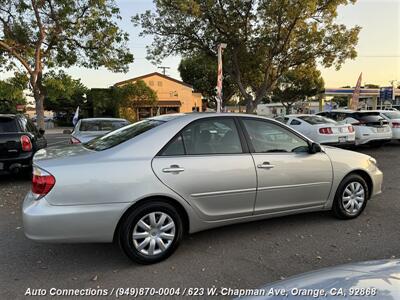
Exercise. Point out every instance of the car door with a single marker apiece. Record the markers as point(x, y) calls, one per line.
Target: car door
point(209, 165)
point(289, 176)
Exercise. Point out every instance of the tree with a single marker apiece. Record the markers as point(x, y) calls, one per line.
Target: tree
point(298, 84)
point(265, 38)
point(63, 93)
point(40, 34)
point(12, 93)
point(371, 86)
point(200, 71)
point(131, 96)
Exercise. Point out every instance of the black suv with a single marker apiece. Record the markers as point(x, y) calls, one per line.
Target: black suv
point(19, 140)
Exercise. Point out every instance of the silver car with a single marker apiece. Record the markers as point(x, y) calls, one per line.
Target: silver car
point(378, 279)
point(147, 184)
point(90, 128)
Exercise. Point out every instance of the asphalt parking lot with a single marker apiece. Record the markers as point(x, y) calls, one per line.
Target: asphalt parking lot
point(240, 256)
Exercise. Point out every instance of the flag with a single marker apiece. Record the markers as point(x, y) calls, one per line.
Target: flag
point(356, 94)
point(76, 116)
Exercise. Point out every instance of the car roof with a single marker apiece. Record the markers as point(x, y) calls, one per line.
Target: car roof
point(7, 116)
point(350, 111)
point(102, 119)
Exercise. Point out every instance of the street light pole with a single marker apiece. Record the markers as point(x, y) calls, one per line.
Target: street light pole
point(220, 76)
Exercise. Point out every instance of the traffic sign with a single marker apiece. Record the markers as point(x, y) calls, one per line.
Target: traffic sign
point(386, 93)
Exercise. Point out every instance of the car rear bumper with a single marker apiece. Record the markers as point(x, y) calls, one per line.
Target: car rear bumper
point(24, 160)
point(366, 138)
point(76, 223)
point(336, 144)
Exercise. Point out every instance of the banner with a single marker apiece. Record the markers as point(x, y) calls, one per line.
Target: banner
point(356, 94)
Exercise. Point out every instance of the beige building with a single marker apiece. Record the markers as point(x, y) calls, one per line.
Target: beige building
point(173, 96)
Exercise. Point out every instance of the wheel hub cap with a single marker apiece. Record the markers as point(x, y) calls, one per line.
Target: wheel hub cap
point(153, 233)
point(353, 198)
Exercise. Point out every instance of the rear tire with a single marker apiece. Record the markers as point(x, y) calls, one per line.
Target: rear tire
point(351, 197)
point(151, 232)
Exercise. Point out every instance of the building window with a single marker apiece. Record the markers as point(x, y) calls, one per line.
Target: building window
point(151, 83)
point(159, 83)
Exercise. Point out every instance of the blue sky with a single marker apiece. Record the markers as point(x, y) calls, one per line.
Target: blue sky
point(378, 47)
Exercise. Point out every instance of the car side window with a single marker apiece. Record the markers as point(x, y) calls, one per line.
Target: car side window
point(268, 137)
point(206, 136)
point(295, 122)
point(175, 147)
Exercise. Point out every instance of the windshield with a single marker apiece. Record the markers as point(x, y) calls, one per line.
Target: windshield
point(392, 114)
point(101, 125)
point(121, 135)
point(313, 120)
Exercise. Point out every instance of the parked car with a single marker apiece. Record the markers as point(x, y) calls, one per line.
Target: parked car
point(370, 127)
point(393, 117)
point(19, 140)
point(90, 128)
point(146, 184)
point(321, 130)
point(377, 279)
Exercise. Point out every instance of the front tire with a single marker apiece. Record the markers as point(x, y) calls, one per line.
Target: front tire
point(151, 232)
point(351, 197)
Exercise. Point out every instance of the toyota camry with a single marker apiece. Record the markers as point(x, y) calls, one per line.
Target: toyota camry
point(148, 184)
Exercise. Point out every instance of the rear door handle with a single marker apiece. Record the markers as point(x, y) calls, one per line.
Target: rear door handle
point(265, 165)
point(173, 169)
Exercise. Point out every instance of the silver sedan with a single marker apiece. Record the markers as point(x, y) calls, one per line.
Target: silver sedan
point(90, 128)
point(147, 184)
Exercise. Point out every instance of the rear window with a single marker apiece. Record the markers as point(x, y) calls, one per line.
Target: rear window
point(101, 125)
point(8, 125)
point(313, 120)
point(367, 117)
point(392, 114)
point(121, 135)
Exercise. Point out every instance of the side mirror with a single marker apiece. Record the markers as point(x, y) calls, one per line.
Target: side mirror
point(315, 148)
point(42, 131)
point(67, 131)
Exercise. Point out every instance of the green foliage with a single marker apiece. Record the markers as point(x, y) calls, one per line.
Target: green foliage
point(121, 101)
point(372, 86)
point(12, 93)
point(63, 93)
point(134, 94)
point(200, 71)
point(265, 38)
point(297, 84)
point(68, 33)
point(46, 34)
point(341, 101)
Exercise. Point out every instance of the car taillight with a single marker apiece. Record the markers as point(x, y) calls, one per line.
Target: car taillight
point(350, 128)
point(74, 141)
point(42, 182)
point(26, 143)
point(326, 130)
point(395, 125)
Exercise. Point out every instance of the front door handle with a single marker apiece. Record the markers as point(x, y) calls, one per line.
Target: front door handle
point(265, 165)
point(173, 169)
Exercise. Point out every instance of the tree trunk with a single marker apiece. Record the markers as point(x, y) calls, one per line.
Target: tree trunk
point(39, 100)
point(39, 95)
point(249, 106)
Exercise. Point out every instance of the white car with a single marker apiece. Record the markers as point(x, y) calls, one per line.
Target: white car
point(321, 130)
point(393, 117)
point(370, 127)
